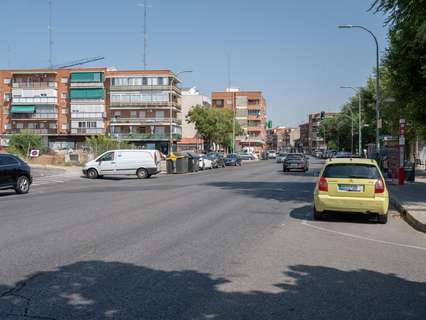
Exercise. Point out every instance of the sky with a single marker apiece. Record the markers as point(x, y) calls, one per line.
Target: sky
point(291, 50)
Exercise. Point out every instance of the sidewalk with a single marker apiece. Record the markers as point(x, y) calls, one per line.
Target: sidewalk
point(410, 200)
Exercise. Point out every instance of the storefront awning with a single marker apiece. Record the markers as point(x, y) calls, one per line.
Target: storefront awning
point(23, 109)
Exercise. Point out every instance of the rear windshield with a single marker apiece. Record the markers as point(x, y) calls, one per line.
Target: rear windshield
point(355, 171)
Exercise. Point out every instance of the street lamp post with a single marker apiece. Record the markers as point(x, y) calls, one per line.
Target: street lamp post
point(171, 109)
point(358, 91)
point(378, 100)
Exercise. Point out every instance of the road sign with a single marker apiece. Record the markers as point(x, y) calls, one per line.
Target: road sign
point(34, 153)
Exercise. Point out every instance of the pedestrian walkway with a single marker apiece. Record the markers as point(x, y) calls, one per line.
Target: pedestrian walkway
point(410, 200)
point(46, 175)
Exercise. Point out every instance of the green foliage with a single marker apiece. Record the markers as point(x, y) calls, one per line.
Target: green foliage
point(98, 144)
point(214, 125)
point(22, 143)
point(406, 59)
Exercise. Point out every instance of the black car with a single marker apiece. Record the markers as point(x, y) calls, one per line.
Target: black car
point(233, 159)
point(14, 174)
point(218, 161)
point(295, 161)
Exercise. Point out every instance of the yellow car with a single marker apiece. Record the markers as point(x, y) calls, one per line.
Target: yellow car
point(351, 185)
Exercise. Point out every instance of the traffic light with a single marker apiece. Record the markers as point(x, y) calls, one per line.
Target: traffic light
point(322, 116)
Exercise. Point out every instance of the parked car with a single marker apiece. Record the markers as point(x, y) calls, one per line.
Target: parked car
point(233, 159)
point(281, 156)
point(272, 154)
point(343, 155)
point(14, 174)
point(142, 163)
point(351, 185)
point(204, 162)
point(295, 161)
point(247, 156)
point(218, 161)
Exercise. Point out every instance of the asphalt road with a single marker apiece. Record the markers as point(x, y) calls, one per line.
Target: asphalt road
point(234, 243)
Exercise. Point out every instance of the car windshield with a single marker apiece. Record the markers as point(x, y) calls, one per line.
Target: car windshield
point(355, 171)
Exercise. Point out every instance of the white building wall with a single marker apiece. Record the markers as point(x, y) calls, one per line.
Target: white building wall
point(190, 98)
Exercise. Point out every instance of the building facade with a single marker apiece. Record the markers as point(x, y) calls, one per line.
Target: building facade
point(303, 143)
point(316, 139)
point(250, 111)
point(66, 105)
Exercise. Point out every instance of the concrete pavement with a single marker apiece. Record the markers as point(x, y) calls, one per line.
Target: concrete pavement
point(233, 243)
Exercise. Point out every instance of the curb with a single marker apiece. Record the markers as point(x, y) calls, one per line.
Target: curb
point(416, 224)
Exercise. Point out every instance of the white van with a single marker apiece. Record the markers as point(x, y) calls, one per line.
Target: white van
point(142, 163)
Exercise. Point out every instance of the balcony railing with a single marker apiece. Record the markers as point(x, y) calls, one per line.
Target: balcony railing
point(34, 116)
point(86, 84)
point(35, 85)
point(35, 100)
point(120, 121)
point(145, 136)
point(87, 130)
point(88, 115)
point(143, 87)
point(36, 131)
point(141, 103)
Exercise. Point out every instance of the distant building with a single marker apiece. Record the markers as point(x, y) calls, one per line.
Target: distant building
point(316, 139)
point(250, 112)
point(65, 106)
point(276, 138)
point(304, 137)
point(190, 139)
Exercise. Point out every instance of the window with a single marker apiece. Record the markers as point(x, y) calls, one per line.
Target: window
point(64, 110)
point(354, 171)
point(218, 103)
point(117, 114)
point(159, 114)
point(52, 125)
point(107, 157)
point(160, 130)
point(165, 81)
point(160, 81)
point(64, 95)
point(64, 126)
point(142, 114)
point(19, 125)
point(6, 81)
point(133, 114)
point(64, 80)
point(6, 160)
point(7, 96)
point(145, 81)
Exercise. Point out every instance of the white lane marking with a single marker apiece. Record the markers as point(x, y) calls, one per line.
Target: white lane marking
point(305, 223)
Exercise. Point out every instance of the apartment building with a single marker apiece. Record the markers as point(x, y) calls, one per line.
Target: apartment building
point(304, 137)
point(65, 106)
point(190, 98)
point(250, 112)
point(275, 140)
point(144, 107)
point(316, 139)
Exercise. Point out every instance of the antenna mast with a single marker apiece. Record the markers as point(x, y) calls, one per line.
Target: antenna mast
point(145, 32)
point(50, 34)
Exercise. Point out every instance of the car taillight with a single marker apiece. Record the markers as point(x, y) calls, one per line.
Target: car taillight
point(323, 184)
point(379, 187)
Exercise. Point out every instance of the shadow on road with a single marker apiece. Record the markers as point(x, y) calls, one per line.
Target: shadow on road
point(280, 191)
point(4, 193)
point(113, 290)
point(305, 213)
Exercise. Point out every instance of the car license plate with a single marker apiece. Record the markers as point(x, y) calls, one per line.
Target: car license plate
point(351, 187)
point(293, 165)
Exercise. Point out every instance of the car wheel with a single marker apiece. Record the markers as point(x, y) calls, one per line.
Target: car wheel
point(142, 173)
point(382, 218)
point(92, 173)
point(317, 214)
point(22, 185)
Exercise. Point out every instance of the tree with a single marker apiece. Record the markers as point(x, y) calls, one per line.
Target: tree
point(406, 58)
point(22, 143)
point(214, 125)
point(98, 144)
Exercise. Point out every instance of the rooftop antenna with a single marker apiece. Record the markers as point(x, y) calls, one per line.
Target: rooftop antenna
point(145, 33)
point(50, 34)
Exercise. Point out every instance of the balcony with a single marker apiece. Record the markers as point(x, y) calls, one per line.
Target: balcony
point(34, 100)
point(34, 116)
point(146, 136)
point(88, 115)
point(35, 85)
point(87, 131)
point(36, 131)
point(86, 84)
point(144, 121)
point(144, 87)
point(165, 103)
point(256, 129)
point(254, 107)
